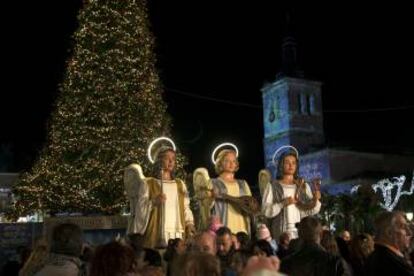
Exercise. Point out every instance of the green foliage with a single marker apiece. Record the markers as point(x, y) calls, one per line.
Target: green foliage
point(353, 212)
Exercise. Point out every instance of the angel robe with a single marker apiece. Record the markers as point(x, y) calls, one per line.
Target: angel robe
point(283, 218)
point(145, 215)
point(230, 216)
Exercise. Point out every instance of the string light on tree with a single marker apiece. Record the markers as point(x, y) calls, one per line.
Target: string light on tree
point(108, 109)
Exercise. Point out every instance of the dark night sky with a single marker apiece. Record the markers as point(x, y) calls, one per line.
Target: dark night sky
point(363, 55)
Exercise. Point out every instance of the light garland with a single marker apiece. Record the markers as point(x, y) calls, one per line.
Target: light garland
point(110, 104)
point(386, 186)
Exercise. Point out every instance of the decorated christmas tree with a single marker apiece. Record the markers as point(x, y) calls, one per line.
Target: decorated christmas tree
point(109, 108)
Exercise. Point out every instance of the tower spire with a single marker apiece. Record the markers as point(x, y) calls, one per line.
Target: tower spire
point(290, 60)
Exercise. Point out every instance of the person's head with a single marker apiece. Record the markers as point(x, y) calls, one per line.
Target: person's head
point(284, 239)
point(310, 230)
point(175, 247)
point(67, 240)
point(136, 241)
point(262, 248)
point(196, 263)
point(181, 247)
point(392, 228)
point(165, 159)
point(113, 258)
point(214, 224)
point(262, 266)
point(263, 233)
point(226, 161)
point(206, 242)
point(238, 260)
point(152, 257)
point(236, 243)
point(328, 242)
point(362, 245)
point(288, 165)
point(223, 241)
point(346, 236)
point(243, 239)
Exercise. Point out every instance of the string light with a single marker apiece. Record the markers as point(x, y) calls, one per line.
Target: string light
point(386, 186)
point(108, 108)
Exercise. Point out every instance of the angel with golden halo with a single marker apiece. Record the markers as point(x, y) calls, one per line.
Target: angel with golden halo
point(288, 198)
point(159, 205)
point(225, 196)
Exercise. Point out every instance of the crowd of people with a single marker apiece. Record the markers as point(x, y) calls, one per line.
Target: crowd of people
point(219, 251)
point(289, 239)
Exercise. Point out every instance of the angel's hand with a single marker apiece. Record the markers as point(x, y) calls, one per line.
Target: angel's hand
point(316, 184)
point(300, 182)
point(289, 200)
point(159, 199)
point(211, 194)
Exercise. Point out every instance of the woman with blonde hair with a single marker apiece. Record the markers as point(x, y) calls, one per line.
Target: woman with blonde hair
point(226, 166)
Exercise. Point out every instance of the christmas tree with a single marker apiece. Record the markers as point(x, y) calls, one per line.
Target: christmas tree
point(108, 110)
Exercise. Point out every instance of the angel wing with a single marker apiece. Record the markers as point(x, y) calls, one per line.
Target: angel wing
point(134, 181)
point(133, 177)
point(202, 184)
point(264, 178)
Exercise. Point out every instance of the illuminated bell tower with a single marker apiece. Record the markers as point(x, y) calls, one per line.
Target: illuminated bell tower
point(292, 108)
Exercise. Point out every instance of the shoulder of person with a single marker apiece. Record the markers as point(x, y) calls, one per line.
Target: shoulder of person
point(179, 180)
point(151, 180)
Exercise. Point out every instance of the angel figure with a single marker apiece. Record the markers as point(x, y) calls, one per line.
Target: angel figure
point(288, 198)
point(159, 205)
point(265, 178)
point(225, 196)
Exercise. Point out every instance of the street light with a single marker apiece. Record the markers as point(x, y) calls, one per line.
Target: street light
point(409, 216)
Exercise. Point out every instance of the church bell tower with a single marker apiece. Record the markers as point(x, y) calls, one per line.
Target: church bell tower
point(292, 108)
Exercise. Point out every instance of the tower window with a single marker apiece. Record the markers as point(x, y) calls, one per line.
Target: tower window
point(311, 103)
point(308, 106)
point(303, 105)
